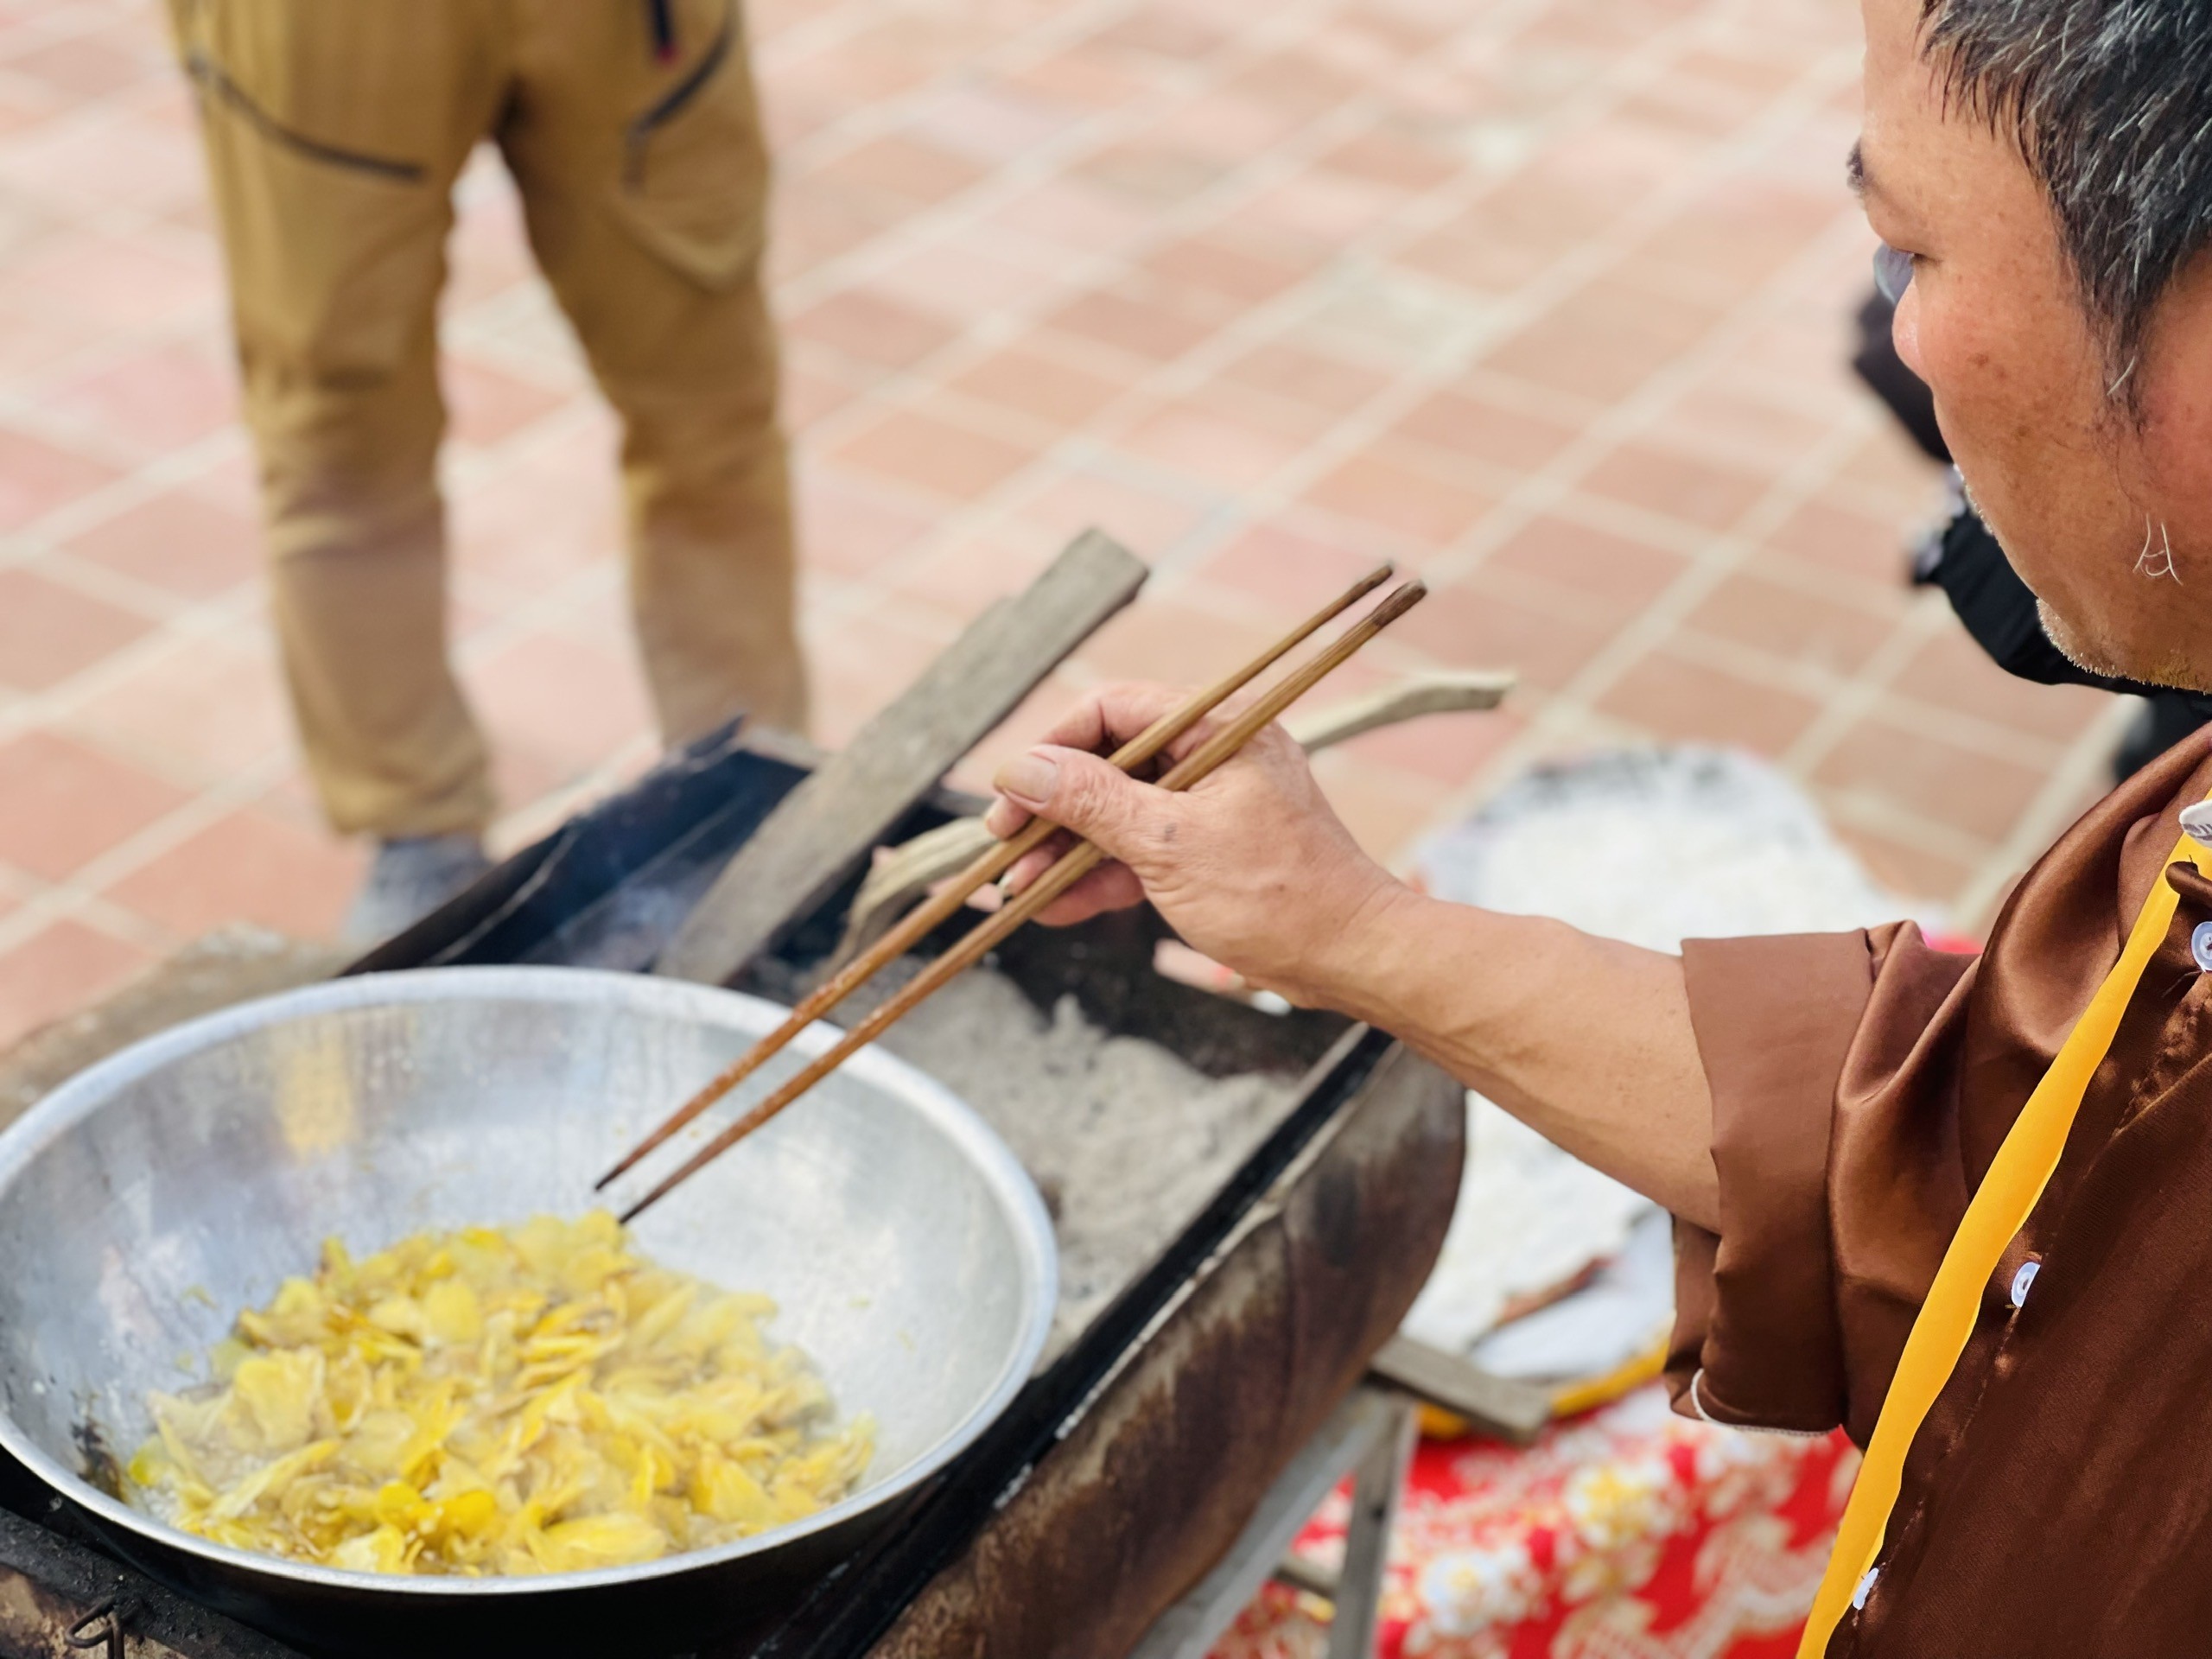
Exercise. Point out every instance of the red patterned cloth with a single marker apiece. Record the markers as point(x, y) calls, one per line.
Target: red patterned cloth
point(1627, 1534)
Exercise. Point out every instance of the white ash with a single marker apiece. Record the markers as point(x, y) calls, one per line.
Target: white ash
point(1127, 1141)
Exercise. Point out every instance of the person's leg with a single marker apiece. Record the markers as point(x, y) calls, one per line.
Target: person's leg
point(334, 134)
point(636, 141)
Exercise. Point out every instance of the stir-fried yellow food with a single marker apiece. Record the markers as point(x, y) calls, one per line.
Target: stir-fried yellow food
point(538, 1399)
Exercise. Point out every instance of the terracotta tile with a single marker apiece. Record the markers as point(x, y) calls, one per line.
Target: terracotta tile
point(1281, 572)
point(961, 579)
point(1160, 32)
point(1167, 639)
point(1128, 323)
point(486, 404)
point(851, 530)
point(250, 866)
point(153, 401)
point(1878, 760)
point(175, 542)
point(1951, 671)
point(112, 281)
point(1380, 489)
point(1321, 379)
point(987, 122)
point(1386, 809)
point(1152, 172)
point(1033, 381)
point(897, 172)
point(1481, 622)
point(1235, 268)
point(572, 704)
point(1154, 522)
point(1678, 486)
point(1196, 441)
point(873, 328)
point(1673, 696)
point(121, 159)
point(1399, 159)
point(84, 67)
point(1602, 343)
point(58, 970)
point(1463, 423)
point(1910, 871)
point(49, 633)
point(1072, 214)
point(944, 455)
point(1729, 415)
point(962, 278)
point(36, 477)
point(813, 390)
point(1601, 574)
point(861, 662)
point(1789, 623)
point(1487, 264)
point(216, 707)
point(1843, 539)
point(68, 803)
point(1449, 749)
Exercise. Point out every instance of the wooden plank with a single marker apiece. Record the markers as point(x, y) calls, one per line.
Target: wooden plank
point(1513, 1411)
point(831, 821)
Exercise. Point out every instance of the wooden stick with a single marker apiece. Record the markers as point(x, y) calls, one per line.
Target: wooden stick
point(987, 867)
point(1071, 868)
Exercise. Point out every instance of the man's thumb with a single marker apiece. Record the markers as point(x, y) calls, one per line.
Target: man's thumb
point(1082, 792)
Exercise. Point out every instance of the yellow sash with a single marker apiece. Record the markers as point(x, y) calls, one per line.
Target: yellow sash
point(2000, 1209)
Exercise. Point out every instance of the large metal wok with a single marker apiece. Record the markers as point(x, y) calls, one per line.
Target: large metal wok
point(144, 1202)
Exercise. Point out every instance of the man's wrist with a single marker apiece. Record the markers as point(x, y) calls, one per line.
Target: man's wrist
point(1358, 971)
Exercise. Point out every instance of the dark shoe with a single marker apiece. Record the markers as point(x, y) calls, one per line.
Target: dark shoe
point(411, 877)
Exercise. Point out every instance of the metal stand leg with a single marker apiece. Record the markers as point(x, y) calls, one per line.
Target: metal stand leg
point(1381, 1478)
point(1369, 1437)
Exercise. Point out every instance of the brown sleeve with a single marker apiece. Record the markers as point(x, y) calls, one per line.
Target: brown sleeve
point(1755, 1321)
point(1826, 1055)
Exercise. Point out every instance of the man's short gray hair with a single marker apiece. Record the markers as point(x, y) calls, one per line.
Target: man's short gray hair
point(2111, 103)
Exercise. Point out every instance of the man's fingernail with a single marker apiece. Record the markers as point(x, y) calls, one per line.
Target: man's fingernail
point(1028, 779)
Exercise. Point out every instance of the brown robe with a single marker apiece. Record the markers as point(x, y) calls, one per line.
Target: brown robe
point(2058, 1499)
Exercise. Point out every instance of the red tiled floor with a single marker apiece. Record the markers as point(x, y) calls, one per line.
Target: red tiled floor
point(49, 631)
point(68, 803)
point(942, 455)
point(156, 400)
point(1789, 623)
point(250, 866)
point(1931, 778)
point(1382, 488)
point(1030, 380)
point(175, 542)
point(58, 970)
point(214, 708)
point(36, 477)
point(571, 703)
point(1599, 574)
point(1668, 482)
point(485, 405)
point(1266, 294)
point(1674, 697)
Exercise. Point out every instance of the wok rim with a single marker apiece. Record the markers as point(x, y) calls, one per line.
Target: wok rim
point(78, 1098)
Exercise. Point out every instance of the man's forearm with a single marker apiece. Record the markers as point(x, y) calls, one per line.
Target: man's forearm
point(1587, 1040)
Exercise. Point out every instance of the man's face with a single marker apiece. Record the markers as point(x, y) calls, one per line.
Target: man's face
point(2109, 525)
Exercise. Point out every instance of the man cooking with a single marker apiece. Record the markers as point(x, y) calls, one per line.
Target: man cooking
point(1821, 1112)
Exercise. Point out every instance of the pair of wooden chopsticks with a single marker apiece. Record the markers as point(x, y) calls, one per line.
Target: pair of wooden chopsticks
point(1072, 867)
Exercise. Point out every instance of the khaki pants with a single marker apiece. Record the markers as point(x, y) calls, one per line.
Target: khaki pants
point(334, 131)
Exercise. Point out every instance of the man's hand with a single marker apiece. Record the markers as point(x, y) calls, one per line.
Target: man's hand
point(1250, 866)
point(1587, 1040)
